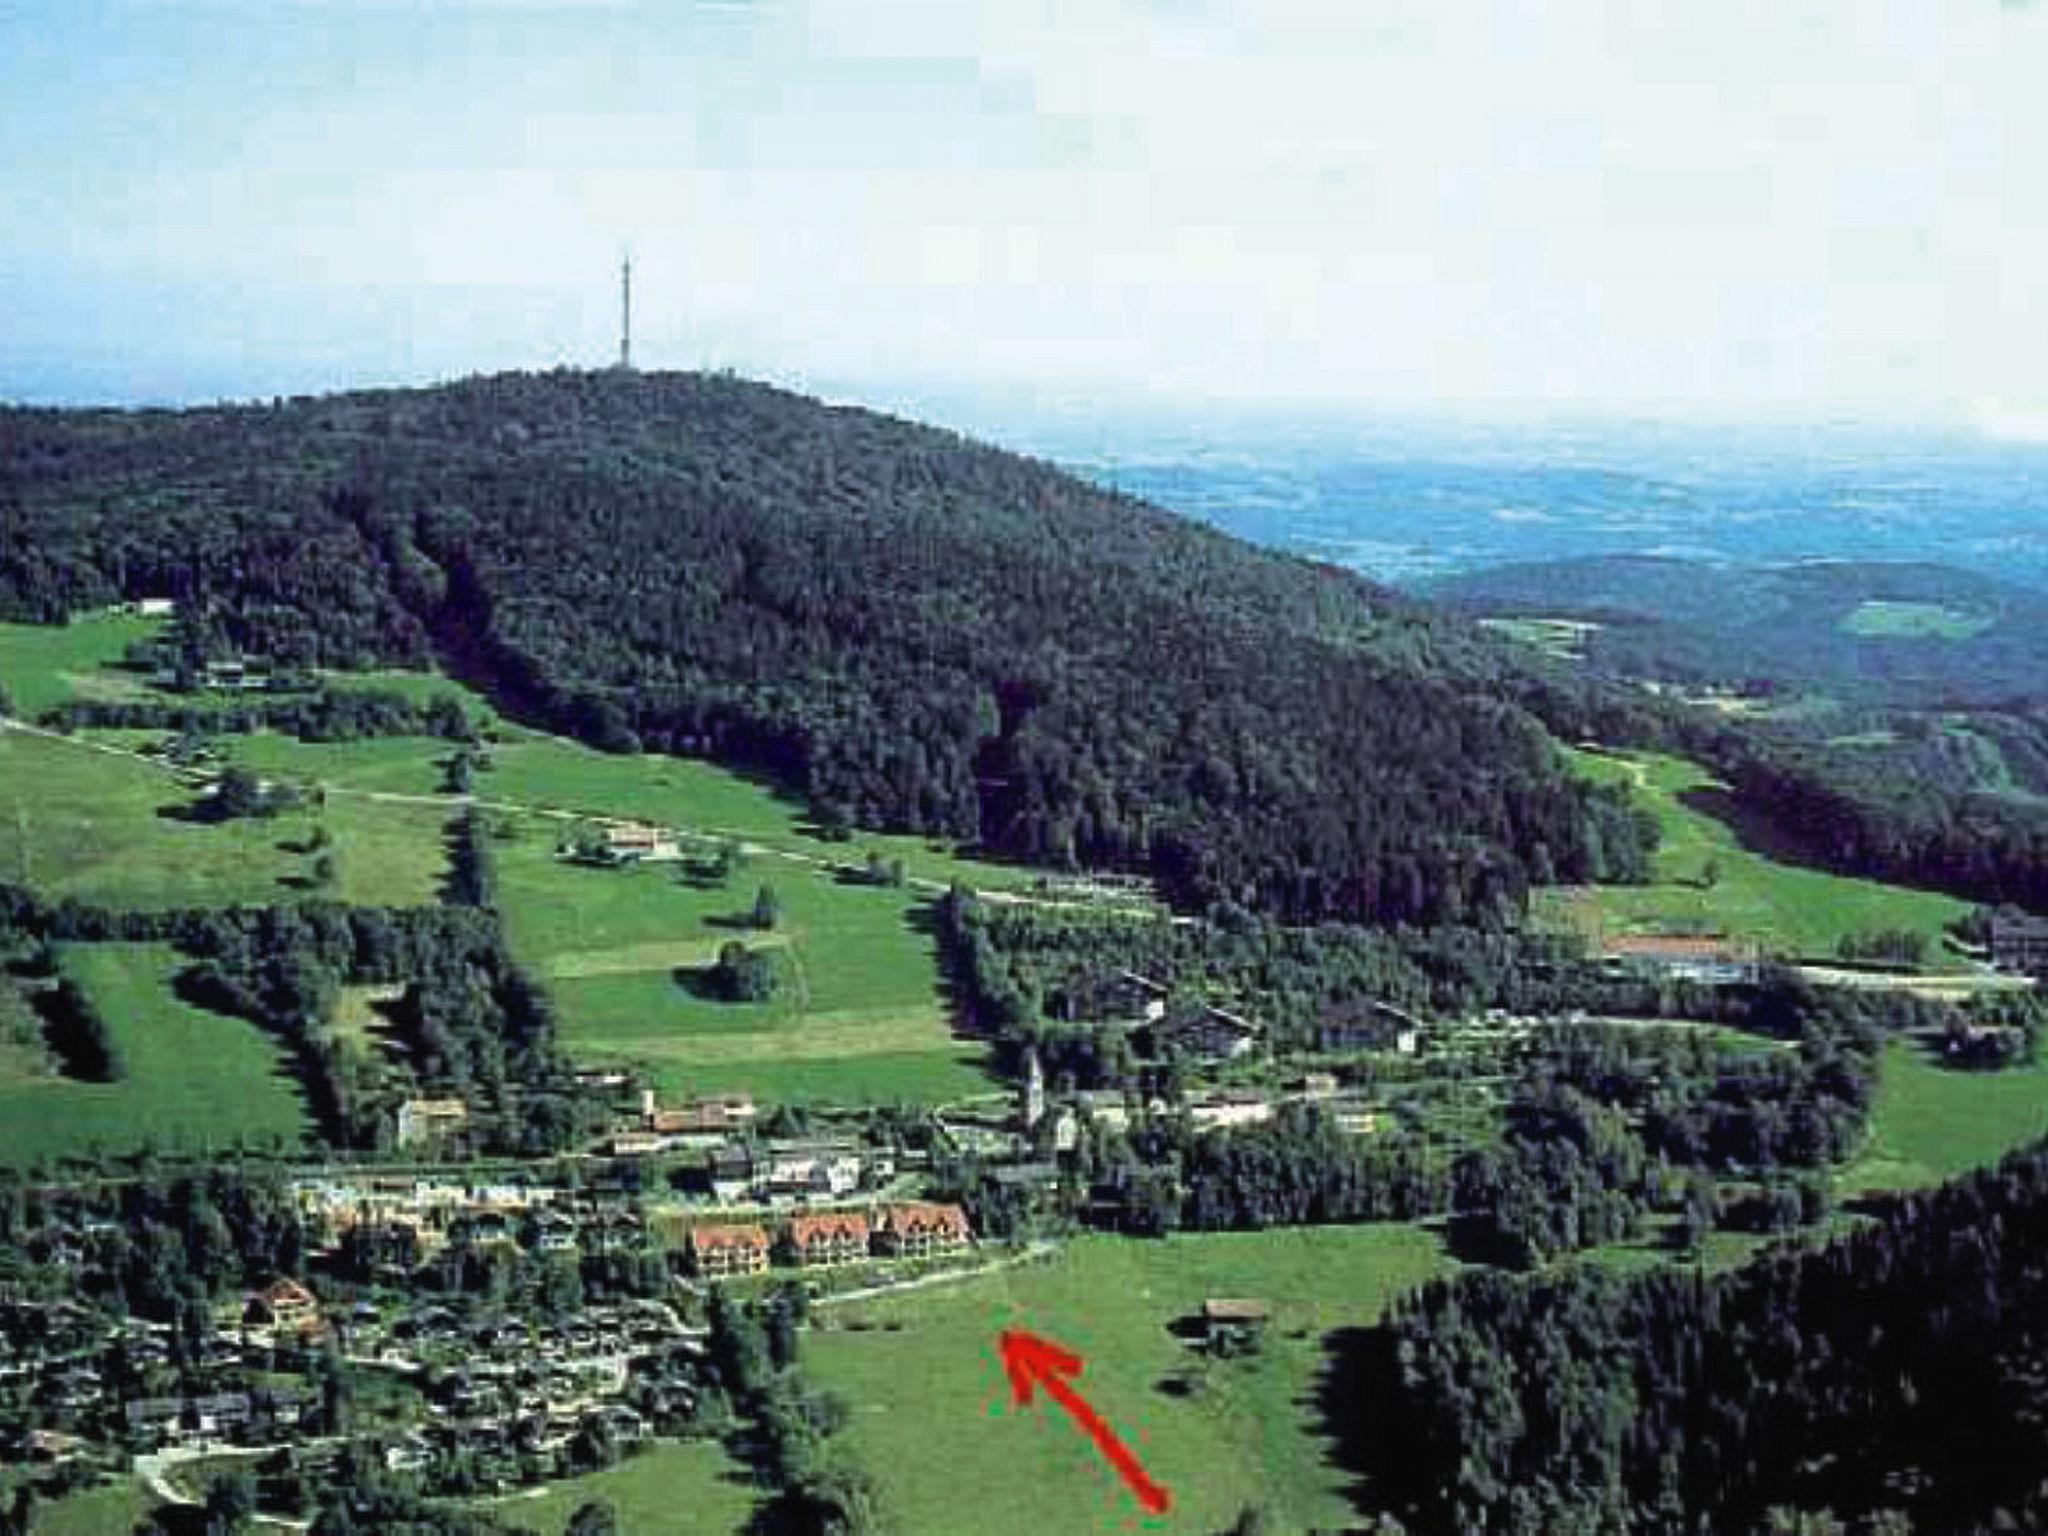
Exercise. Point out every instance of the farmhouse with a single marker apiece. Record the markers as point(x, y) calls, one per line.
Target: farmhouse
point(151, 1420)
point(728, 1250)
point(2020, 943)
point(731, 1172)
point(1233, 1319)
point(424, 1120)
point(633, 843)
point(829, 1237)
point(236, 676)
point(1367, 1024)
point(286, 1306)
point(920, 1231)
point(1105, 1106)
point(813, 1167)
point(1707, 960)
point(715, 1115)
point(1223, 1111)
point(1214, 1034)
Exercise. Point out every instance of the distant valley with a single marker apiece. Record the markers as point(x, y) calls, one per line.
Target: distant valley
point(1405, 502)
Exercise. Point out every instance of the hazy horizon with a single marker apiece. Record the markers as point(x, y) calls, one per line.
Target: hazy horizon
point(1489, 210)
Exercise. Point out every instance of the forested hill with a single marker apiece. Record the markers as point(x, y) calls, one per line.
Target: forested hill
point(1868, 631)
point(913, 630)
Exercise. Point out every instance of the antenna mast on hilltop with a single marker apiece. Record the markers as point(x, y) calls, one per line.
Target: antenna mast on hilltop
point(626, 312)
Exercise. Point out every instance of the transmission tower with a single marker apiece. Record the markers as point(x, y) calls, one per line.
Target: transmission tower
point(626, 313)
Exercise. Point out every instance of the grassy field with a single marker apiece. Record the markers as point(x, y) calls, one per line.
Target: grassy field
point(42, 665)
point(113, 1510)
point(668, 1490)
point(1563, 638)
point(1794, 911)
point(932, 1395)
point(1876, 618)
point(105, 828)
point(194, 1079)
point(856, 1014)
point(684, 792)
point(1931, 1124)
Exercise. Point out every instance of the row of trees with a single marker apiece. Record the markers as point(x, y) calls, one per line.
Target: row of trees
point(324, 714)
point(78, 1034)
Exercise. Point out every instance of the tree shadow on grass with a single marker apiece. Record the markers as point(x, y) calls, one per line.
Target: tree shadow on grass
point(922, 919)
point(1756, 830)
point(1360, 1416)
point(700, 982)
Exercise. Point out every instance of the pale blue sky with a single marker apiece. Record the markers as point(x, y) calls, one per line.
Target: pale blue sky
point(1711, 207)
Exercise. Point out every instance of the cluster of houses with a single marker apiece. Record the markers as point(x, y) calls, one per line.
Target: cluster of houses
point(419, 1215)
point(817, 1239)
point(499, 1383)
point(265, 1416)
point(82, 1366)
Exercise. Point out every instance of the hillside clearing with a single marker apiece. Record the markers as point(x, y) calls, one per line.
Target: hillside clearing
point(1790, 910)
point(1931, 1123)
point(195, 1080)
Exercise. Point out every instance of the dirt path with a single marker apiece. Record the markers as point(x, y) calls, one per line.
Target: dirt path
point(1037, 1250)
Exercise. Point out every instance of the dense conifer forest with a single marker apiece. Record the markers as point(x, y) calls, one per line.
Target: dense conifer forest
point(911, 630)
point(1891, 1381)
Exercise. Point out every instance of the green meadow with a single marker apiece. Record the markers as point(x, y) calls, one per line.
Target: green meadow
point(1930, 1123)
point(856, 1011)
point(693, 1489)
point(552, 773)
point(105, 827)
point(44, 664)
point(1878, 617)
point(194, 1080)
point(934, 1423)
point(1791, 910)
point(113, 1509)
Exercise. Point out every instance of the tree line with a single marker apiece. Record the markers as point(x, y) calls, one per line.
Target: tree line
point(321, 715)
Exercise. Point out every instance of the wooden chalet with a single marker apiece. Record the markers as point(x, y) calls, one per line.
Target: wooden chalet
point(424, 1120)
point(287, 1307)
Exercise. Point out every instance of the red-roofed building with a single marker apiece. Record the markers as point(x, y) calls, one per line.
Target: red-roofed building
point(728, 1250)
point(829, 1237)
point(919, 1231)
point(286, 1306)
point(1683, 957)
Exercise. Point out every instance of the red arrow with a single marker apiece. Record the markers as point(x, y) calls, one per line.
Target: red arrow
point(1032, 1361)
